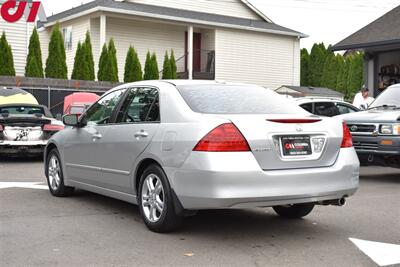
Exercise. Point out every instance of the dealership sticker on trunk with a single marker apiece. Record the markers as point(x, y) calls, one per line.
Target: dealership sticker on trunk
point(296, 146)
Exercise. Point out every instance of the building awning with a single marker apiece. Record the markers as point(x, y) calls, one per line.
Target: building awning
point(169, 14)
point(382, 32)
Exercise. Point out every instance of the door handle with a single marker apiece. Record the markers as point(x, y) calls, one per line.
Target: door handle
point(141, 134)
point(97, 136)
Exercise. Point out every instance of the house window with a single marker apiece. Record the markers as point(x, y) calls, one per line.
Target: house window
point(67, 33)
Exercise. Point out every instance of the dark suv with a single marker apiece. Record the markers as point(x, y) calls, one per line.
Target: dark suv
point(376, 131)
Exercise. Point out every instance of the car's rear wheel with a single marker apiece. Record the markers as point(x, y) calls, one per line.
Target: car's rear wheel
point(296, 211)
point(55, 177)
point(156, 202)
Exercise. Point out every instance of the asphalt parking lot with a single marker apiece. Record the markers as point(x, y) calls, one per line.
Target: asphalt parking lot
point(37, 229)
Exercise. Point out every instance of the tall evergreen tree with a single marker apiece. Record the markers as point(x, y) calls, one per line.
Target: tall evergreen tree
point(34, 63)
point(56, 66)
point(133, 68)
point(343, 77)
point(356, 75)
point(77, 71)
point(329, 72)
point(148, 67)
point(305, 60)
point(103, 64)
point(128, 74)
point(112, 62)
point(167, 71)
point(173, 65)
point(6, 57)
point(89, 58)
point(154, 67)
point(317, 61)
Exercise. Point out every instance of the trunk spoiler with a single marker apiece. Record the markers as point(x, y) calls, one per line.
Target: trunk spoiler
point(297, 121)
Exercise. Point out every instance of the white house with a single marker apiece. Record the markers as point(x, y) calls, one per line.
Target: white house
point(224, 40)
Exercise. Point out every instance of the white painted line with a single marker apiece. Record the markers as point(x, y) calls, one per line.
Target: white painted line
point(5, 185)
point(382, 254)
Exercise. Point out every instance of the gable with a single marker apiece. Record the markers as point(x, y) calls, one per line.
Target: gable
point(234, 8)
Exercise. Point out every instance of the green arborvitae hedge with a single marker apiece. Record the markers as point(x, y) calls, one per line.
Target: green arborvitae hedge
point(6, 57)
point(112, 62)
point(167, 71)
point(103, 63)
point(173, 65)
point(305, 61)
point(34, 62)
point(77, 70)
point(154, 67)
point(56, 66)
point(133, 68)
point(89, 75)
point(147, 67)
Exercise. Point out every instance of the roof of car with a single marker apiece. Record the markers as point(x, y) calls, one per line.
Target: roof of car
point(318, 99)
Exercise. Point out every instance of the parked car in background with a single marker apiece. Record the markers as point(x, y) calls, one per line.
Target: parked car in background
point(174, 147)
point(376, 131)
point(77, 103)
point(328, 107)
point(16, 95)
point(26, 128)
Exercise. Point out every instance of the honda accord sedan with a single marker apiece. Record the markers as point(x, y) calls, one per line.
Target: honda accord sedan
point(176, 147)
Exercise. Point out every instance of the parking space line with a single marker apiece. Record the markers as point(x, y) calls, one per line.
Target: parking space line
point(382, 254)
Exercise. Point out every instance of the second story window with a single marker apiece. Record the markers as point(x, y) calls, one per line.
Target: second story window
point(67, 33)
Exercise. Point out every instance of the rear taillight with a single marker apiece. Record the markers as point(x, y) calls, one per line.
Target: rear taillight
point(1, 128)
point(347, 138)
point(224, 138)
point(52, 128)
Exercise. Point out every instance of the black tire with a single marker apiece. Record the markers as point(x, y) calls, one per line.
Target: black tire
point(169, 219)
point(61, 190)
point(296, 211)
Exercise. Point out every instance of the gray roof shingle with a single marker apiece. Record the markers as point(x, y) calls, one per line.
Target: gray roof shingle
point(383, 31)
point(313, 91)
point(150, 10)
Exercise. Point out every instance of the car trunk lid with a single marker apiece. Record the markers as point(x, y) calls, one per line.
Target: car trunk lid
point(281, 142)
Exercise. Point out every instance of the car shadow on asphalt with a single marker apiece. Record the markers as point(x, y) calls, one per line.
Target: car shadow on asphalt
point(219, 223)
point(392, 177)
point(16, 159)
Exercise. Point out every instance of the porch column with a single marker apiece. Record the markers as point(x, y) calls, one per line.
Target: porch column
point(103, 22)
point(190, 52)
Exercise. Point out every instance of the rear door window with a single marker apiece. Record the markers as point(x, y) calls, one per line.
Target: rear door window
point(236, 99)
point(141, 105)
point(345, 109)
point(326, 109)
point(308, 107)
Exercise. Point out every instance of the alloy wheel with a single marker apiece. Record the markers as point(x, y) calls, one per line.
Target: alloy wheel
point(153, 198)
point(54, 172)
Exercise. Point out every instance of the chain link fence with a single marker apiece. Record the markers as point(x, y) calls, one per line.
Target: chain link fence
point(53, 98)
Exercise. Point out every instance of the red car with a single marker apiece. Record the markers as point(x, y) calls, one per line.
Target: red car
point(77, 103)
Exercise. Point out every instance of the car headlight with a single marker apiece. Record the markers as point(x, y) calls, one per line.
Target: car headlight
point(391, 129)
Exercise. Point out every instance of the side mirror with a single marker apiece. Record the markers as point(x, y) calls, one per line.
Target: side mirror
point(72, 120)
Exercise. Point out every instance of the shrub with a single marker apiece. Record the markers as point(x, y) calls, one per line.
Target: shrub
point(103, 63)
point(6, 57)
point(133, 69)
point(56, 66)
point(173, 65)
point(34, 63)
point(167, 71)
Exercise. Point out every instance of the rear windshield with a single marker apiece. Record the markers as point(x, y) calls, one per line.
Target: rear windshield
point(236, 99)
point(22, 110)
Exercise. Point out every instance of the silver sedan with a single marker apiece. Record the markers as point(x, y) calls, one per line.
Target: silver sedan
point(175, 147)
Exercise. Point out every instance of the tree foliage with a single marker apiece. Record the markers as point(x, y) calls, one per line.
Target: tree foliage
point(34, 62)
point(6, 57)
point(133, 68)
point(154, 67)
point(112, 69)
point(103, 63)
point(305, 61)
point(56, 66)
point(167, 70)
point(173, 65)
point(323, 68)
point(77, 70)
point(88, 56)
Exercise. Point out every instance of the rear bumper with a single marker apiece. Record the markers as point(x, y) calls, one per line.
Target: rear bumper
point(16, 147)
point(235, 180)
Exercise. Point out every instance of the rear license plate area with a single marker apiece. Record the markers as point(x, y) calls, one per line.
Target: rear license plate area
point(293, 146)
